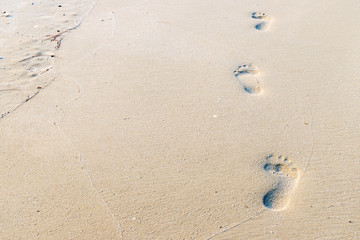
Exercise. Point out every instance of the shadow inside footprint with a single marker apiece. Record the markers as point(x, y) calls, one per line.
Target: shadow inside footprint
point(262, 26)
point(256, 89)
point(269, 198)
point(276, 199)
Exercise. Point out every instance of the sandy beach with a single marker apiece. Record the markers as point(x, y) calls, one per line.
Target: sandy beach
point(179, 119)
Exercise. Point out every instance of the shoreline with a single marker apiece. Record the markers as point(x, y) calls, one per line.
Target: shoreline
point(31, 35)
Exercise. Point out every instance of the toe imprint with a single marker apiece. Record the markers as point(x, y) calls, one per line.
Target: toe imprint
point(282, 168)
point(260, 15)
point(246, 69)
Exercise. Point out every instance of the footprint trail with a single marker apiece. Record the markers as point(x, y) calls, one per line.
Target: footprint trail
point(288, 176)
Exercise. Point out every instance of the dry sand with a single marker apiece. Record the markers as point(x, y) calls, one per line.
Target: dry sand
point(180, 120)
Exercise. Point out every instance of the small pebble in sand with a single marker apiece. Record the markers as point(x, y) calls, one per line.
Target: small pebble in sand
point(5, 14)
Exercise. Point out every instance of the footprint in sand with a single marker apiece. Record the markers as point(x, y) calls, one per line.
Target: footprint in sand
point(265, 20)
point(280, 167)
point(246, 74)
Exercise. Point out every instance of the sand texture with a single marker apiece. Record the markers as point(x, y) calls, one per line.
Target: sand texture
point(180, 120)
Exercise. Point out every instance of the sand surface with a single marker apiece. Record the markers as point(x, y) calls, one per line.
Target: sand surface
point(180, 120)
